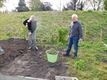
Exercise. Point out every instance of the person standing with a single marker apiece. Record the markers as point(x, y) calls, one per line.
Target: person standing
point(76, 33)
point(31, 24)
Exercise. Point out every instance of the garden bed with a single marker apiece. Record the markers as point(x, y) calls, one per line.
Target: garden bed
point(18, 60)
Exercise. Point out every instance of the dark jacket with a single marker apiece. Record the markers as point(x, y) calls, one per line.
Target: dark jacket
point(76, 29)
point(30, 25)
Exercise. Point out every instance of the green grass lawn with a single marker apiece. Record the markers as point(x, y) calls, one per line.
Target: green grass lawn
point(92, 61)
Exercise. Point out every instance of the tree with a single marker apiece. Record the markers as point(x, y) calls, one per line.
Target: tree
point(80, 5)
point(35, 5)
point(93, 4)
point(71, 5)
point(1, 3)
point(46, 6)
point(105, 4)
point(22, 6)
point(96, 4)
point(99, 4)
point(74, 3)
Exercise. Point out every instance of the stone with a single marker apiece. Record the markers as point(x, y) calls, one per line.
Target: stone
point(65, 78)
point(1, 50)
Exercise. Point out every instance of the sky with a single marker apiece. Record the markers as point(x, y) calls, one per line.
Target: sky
point(12, 4)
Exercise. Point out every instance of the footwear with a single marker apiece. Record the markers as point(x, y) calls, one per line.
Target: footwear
point(65, 55)
point(29, 48)
point(36, 48)
point(75, 57)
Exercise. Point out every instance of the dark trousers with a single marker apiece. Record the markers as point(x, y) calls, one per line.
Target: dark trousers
point(32, 40)
point(73, 41)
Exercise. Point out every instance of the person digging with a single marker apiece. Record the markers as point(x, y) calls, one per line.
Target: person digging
point(31, 25)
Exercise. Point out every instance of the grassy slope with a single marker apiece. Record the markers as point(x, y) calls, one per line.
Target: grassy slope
point(92, 54)
point(51, 21)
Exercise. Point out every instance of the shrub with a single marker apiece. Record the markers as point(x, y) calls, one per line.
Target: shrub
point(54, 38)
point(105, 4)
point(63, 35)
point(80, 64)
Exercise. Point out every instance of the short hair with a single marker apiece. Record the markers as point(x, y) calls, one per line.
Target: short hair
point(75, 15)
point(32, 17)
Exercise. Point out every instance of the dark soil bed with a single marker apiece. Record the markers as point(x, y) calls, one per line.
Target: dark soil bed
point(18, 60)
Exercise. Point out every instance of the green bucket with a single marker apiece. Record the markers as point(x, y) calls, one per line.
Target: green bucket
point(52, 58)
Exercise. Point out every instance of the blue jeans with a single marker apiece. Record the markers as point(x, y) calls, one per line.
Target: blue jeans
point(73, 41)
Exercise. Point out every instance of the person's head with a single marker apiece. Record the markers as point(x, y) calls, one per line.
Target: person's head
point(74, 17)
point(32, 18)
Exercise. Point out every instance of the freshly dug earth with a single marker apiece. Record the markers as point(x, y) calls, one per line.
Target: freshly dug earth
point(18, 60)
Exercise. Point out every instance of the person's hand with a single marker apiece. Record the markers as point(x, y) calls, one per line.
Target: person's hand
point(81, 39)
point(26, 25)
point(29, 33)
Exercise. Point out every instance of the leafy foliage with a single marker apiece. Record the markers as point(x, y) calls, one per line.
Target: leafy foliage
point(80, 64)
point(105, 3)
point(35, 5)
point(63, 33)
point(1, 2)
